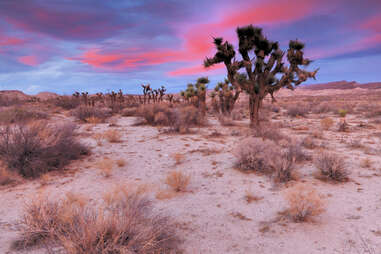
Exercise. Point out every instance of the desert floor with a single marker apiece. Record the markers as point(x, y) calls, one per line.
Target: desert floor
point(212, 216)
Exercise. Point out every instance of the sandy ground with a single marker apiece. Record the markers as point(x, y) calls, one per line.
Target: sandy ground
point(206, 214)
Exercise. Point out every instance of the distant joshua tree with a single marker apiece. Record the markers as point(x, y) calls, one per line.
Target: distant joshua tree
point(263, 63)
point(196, 94)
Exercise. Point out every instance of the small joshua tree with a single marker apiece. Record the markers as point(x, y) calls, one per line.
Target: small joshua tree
point(196, 94)
point(146, 92)
point(227, 95)
point(263, 63)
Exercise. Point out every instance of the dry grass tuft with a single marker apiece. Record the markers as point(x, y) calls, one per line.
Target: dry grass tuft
point(326, 123)
point(105, 167)
point(112, 136)
point(250, 197)
point(121, 162)
point(366, 163)
point(125, 223)
point(7, 177)
point(331, 167)
point(178, 181)
point(178, 157)
point(304, 203)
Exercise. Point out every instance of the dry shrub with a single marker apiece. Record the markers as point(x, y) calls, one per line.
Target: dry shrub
point(84, 113)
point(265, 157)
point(178, 181)
point(309, 143)
point(121, 162)
point(304, 203)
point(297, 110)
point(238, 114)
point(105, 167)
point(98, 138)
point(36, 149)
point(67, 102)
point(269, 131)
point(326, 123)
point(129, 111)
point(20, 115)
point(179, 119)
point(124, 223)
point(250, 197)
point(294, 152)
point(366, 163)
point(331, 167)
point(7, 177)
point(112, 136)
point(225, 120)
point(178, 157)
point(323, 107)
point(151, 113)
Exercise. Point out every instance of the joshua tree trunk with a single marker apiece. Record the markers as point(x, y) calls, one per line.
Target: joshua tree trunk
point(255, 104)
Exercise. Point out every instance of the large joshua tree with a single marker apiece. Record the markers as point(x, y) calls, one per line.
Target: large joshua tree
point(262, 61)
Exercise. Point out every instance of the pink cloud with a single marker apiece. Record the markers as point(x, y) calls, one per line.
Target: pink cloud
point(197, 41)
point(193, 70)
point(29, 60)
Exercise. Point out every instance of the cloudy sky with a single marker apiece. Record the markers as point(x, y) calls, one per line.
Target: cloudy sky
point(98, 45)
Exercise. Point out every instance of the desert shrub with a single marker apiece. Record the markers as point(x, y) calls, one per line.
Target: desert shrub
point(123, 223)
point(370, 110)
point(269, 131)
point(121, 162)
point(112, 136)
point(161, 112)
point(265, 156)
point(238, 114)
point(129, 111)
point(33, 150)
point(294, 152)
point(179, 119)
point(225, 120)
point(309, 143)
point(256, 155)
point(20, 115)
point(105, 166)
point(326, 123)
point(7, 177)
point(323, 107)
point(304, 203)
point(187, 117)
point(67, 102)
point(178, 181)
point(84, 113)
point(283, 168)
point(331, 167)
point(297, 110)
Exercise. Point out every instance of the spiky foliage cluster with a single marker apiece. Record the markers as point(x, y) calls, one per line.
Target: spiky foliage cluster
point(154, 95)
point(196, 93)
point(263, 63)
point(224, 96)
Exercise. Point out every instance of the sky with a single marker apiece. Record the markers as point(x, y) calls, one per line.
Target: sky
point(102, 45)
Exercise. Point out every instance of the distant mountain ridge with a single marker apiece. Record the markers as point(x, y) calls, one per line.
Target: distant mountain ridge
point(342, 85)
